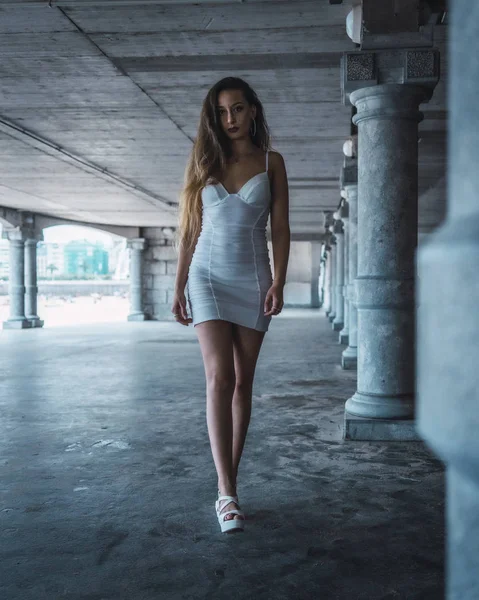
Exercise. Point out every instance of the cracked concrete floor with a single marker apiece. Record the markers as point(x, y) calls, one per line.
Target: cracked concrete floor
point(108, 484)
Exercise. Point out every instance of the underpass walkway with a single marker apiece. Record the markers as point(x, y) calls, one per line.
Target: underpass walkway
point(108, 484)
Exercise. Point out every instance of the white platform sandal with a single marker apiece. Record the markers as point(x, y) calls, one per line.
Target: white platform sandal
point(229, 524)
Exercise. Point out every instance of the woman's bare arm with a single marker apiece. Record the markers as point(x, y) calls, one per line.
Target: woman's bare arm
point(185, 256)
point(178, 308)
point(280, 231)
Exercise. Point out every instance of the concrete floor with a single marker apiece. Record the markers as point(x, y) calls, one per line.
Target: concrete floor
point(108, 485)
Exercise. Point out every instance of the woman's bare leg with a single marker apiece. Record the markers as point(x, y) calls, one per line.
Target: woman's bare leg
point(246, 347)
point(216, 342)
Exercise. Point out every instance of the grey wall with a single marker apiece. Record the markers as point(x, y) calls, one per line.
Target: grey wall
point(159, 273)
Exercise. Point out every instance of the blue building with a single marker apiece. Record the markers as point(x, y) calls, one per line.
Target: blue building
point(85, 258)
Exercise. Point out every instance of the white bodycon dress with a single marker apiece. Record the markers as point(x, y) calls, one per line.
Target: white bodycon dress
point(230, 271)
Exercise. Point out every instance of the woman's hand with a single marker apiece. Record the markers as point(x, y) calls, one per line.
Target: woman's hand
point(179, 309)
point(273, 303)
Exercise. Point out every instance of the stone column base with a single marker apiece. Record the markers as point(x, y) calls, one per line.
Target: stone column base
point(364, 429)
point(337, 325)
point(344, 337)
point(381, 406)
point(349, 359)
point(35, 322)
point(17, 324)
point(331, 317)
point(138, 317)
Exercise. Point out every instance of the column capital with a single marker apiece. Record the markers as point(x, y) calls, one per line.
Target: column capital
point(15, 234)
point(390, 100)
point(351, 193)
point(338, 227)
point(365, 69)
point(328, 218)
point(136, 243)
point(332, 239)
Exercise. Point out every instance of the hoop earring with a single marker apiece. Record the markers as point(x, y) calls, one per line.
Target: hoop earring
point(254, 131)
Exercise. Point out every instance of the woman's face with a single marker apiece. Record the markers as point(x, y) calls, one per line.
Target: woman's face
point(235, 114)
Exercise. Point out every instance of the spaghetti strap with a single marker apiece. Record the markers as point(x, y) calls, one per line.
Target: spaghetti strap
point(267, 153)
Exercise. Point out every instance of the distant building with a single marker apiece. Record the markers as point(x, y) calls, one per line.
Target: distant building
point(72, 259)
point(4, 258)
point(50, 259)
point(85, 258)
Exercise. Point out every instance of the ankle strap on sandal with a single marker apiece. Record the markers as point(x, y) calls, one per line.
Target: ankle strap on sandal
point(230, 498)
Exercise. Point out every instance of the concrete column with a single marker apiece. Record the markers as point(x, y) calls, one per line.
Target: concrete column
point(387, 120)
point(136, 247)
point(338, 322)
point(322, 275)
point(344, 214)
point(328, 275)
point(31, 289)
point(315, 273)
point(16, 283)
point(332, 275)
point(349, 357)
point(327, 280)
point(448, 316)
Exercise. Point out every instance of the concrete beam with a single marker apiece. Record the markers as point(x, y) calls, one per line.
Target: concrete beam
point(47, 147)
point(45, 221)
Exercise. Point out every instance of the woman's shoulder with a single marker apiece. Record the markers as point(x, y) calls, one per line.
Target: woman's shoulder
point(276, 159)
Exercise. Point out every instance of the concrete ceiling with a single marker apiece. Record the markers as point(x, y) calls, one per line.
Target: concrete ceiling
point(100, 101)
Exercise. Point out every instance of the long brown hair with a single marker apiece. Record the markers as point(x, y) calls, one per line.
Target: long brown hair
point(209, 155)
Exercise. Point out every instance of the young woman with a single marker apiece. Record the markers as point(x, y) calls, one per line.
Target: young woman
point(232, 184)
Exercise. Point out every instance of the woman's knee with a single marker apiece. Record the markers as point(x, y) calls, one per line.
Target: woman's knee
point(221, 381)
point(243, 385)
